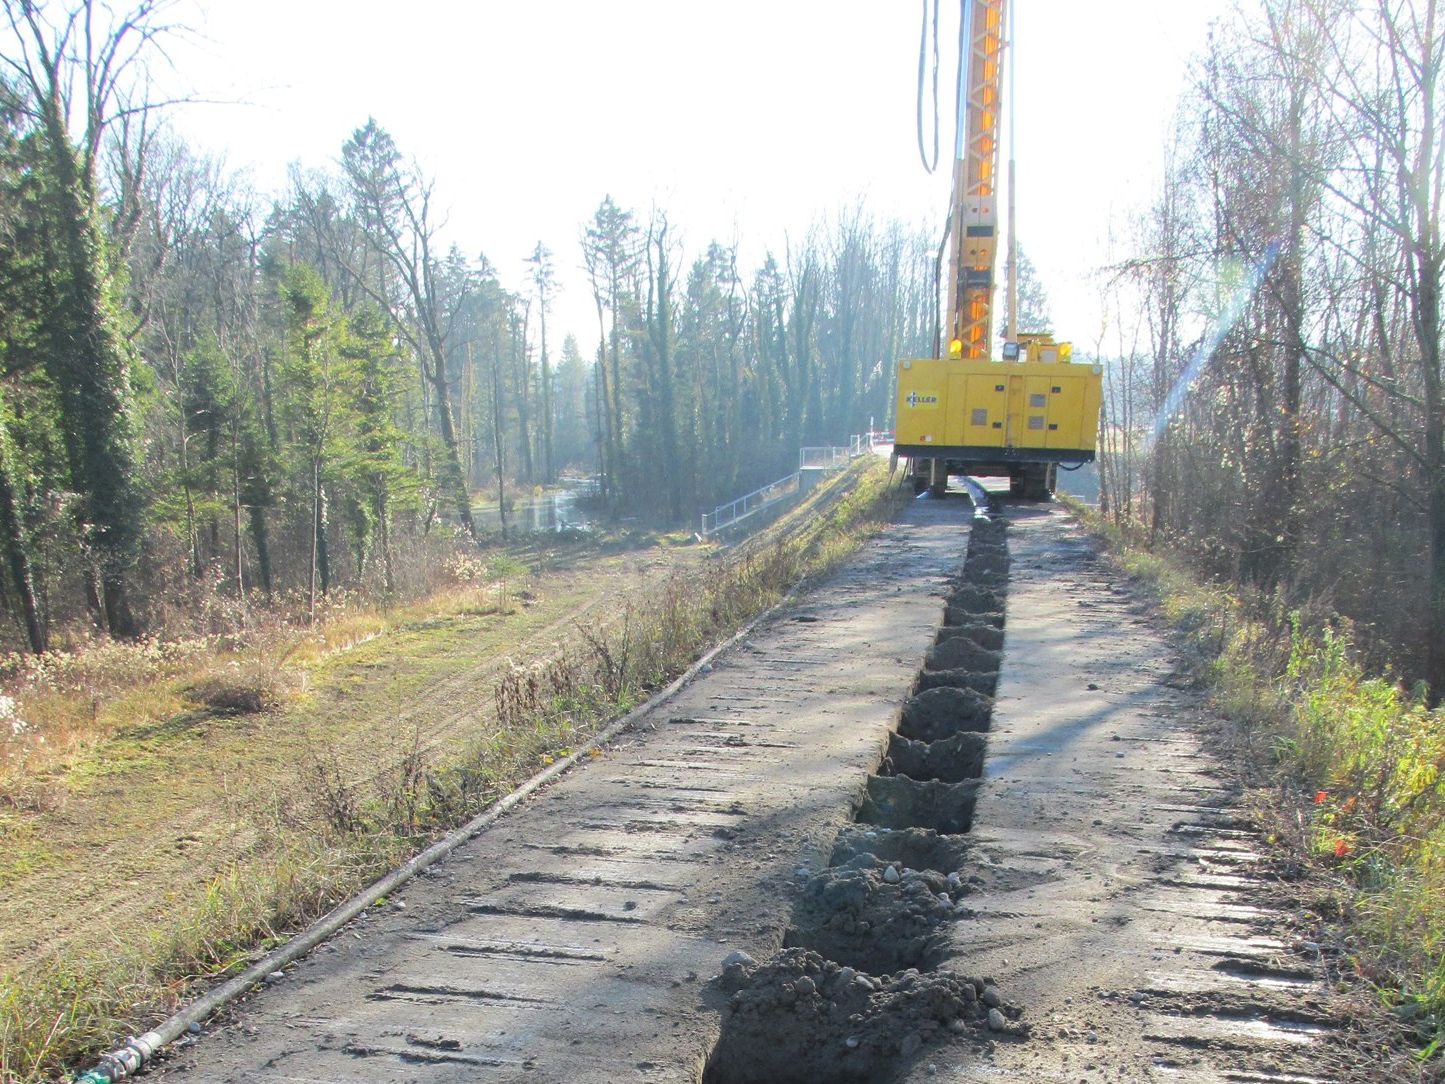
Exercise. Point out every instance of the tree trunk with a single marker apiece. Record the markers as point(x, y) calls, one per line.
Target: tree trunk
point(260, 539)
point(497, 439)
point(383, 537)
point(315, 543)
point(87, 363)
point(1427, 330)
point(323, 545)
point(549, 472)
point(453, 479)
point(1292, 306)
point(12, 527)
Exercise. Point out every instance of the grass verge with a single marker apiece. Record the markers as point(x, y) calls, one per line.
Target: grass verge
point(341, 829)
point(1347, 771)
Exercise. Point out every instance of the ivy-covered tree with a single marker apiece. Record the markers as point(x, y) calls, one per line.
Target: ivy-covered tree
point(79, 336)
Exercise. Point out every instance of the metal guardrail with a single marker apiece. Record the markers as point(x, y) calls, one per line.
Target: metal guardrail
point(864, 443)
point(725, 515)
point(822, 457)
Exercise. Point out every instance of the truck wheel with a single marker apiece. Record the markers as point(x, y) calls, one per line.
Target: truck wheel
point(1037, 479)
point(938, 477)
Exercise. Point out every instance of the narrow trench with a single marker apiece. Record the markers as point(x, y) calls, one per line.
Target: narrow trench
point(859, 990)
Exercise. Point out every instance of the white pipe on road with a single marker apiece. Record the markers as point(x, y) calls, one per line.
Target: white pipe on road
point(138, 1051)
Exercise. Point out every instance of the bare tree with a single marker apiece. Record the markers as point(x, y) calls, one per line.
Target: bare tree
point(544, 281)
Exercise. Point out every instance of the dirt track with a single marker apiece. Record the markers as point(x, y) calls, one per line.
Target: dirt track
point(175, 804)
point(1103, 902)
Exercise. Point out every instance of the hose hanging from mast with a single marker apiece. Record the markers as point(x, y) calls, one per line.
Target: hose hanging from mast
point(923, 36)
point(959, 105)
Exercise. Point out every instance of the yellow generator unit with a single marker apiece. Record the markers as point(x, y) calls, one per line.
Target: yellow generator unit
point(1019, 419)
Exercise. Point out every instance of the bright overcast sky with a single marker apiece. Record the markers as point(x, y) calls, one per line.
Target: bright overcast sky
point(747, 120)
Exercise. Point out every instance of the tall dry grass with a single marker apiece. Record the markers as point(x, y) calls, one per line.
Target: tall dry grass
point(55, 706)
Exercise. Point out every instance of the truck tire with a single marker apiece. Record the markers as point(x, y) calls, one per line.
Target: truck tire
point(938, 477)
point(1038, 482)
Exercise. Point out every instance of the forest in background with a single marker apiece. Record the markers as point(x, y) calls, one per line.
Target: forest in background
point(1276, 408)
point(211, 399)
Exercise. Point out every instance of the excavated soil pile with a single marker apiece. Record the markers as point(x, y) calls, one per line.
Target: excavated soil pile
point(943, 712)
point(984, 635)
point(801, 1019)
point(963, 654)
point(917, 848)
point(895, 801)
point(846, 1000)
point(967, 599)
point(980, 681)
point(879, 917)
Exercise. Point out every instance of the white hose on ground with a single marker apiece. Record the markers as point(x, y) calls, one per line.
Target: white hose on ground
point(139, 1050)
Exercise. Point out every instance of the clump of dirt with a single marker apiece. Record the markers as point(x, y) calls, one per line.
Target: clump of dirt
point(980, 681)
point(985, 575)
point(983, 563)
point(800, 1019)
point(876, 916)
point(961, 654)
point(988, 551)
point(895, 801)
point(915, 848)
point(972, 599)
point(984, 635)
point(240, 690)
point(989, 543)
point(992, 525)
point(951, 760)
point(965, 615)
point(944, 711)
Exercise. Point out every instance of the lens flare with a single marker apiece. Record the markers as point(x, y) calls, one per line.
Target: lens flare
point(1229, 314)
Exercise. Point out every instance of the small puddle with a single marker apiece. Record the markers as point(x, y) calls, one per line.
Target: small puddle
point(563, 510)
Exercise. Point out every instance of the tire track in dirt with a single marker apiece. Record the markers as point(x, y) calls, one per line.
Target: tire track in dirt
point(187, 844)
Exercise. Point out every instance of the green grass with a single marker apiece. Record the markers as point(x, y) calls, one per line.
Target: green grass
point(1348, 769)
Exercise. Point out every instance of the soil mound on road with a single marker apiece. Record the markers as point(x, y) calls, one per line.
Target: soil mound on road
point(945, 711)
point(915, 848)
point(983, 634)
point(875, 917)
point(971, 599)
point(962, 654)
point(895, 801)
point(801, 1019)
point(980, 681)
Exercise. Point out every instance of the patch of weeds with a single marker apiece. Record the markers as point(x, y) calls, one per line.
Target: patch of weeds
point(69, 1008)
point(239, 688)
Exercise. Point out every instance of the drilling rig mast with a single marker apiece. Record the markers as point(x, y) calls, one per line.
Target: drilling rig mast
point(965, 413)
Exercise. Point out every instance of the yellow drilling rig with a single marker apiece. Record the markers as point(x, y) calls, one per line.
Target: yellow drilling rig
point(965, 413)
